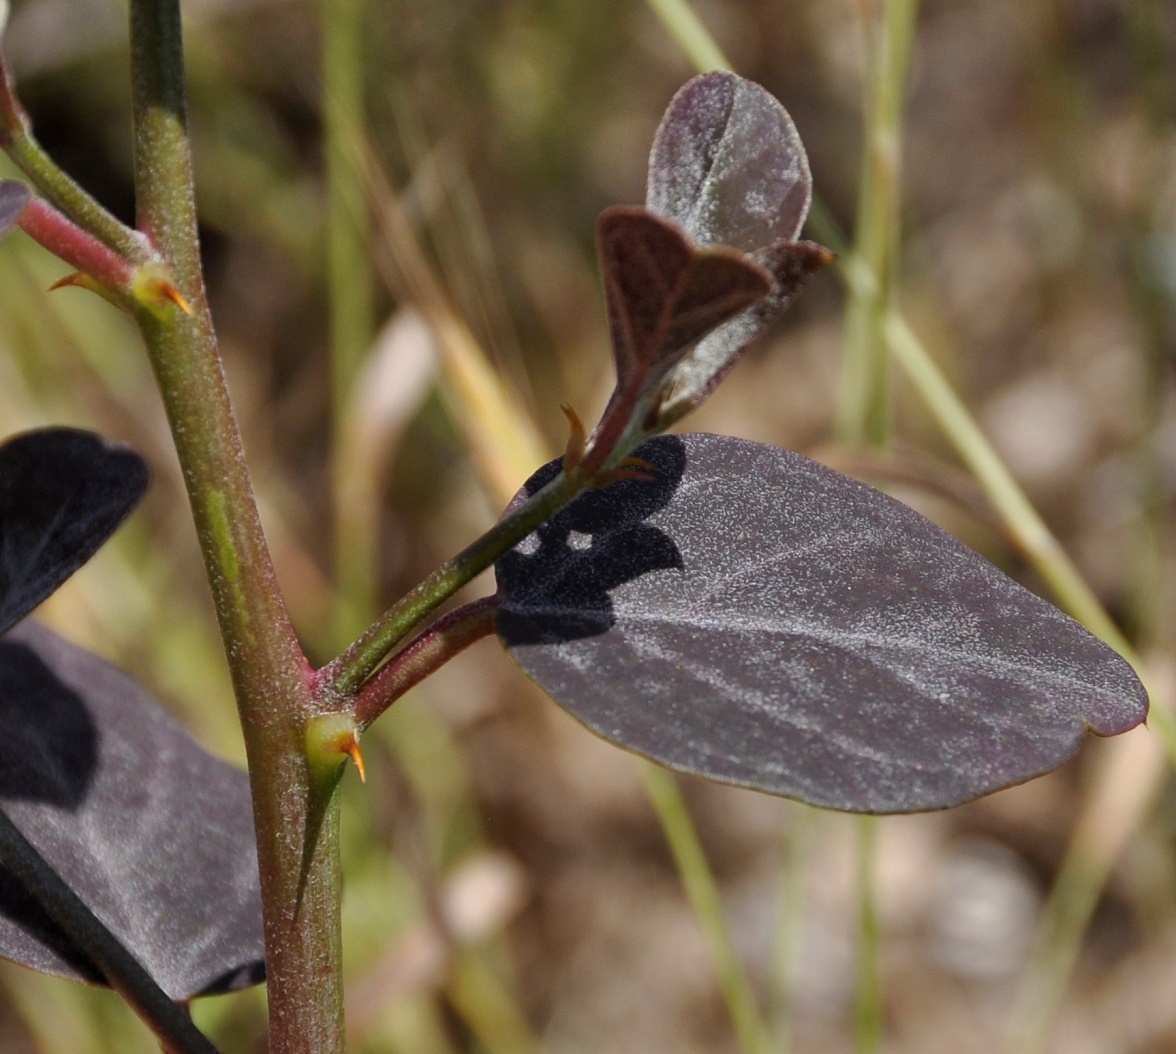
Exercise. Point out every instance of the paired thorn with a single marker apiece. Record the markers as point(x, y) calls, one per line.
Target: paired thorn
point(351, 749)
point(330, 740)
point(167, 291)
point(81, 281)
point(634, 468)
point(577, 439)
point(155, 291)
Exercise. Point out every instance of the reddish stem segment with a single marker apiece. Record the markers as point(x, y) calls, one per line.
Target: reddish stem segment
point(78, 248)
point(449, 635)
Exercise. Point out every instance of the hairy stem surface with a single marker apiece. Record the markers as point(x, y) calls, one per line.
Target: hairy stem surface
point(269, 673)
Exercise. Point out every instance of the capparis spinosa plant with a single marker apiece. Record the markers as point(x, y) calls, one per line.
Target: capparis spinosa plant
point(722, 607)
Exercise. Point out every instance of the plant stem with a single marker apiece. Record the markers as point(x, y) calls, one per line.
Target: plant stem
point(692, 36)
point(345, 674)
point(120, 969)
point(269, 673)
point(17, 140)
point(867, 1013)
point(77, 247)
point(791, 899)
point(703, 894)
point(447, 637)
point(864, 407)
point(349, 296)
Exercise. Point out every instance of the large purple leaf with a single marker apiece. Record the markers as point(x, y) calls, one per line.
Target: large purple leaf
point(14, 197)
point(762, 620)
point(153, 833)
point(62, 494)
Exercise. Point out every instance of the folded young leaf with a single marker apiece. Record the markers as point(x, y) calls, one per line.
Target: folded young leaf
point(698, 373)
point(712, 261)
point(14, 197)
point(62, 494)
point(154, 834)
point(757, 618)
point(664, 293)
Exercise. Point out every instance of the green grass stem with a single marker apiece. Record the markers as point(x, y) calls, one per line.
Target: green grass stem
point(689, 33)
point(867, 996)
point(864, 405)
point(791, 901)
point(349, 297)
point(703, 893)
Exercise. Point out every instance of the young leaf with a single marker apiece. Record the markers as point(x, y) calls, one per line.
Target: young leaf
point(14, 197)
point(699, 372)
point(664, 293)
point(154, 834)
point(711, 261)
point(728, 167)
point(757, 618)
point(62, 494)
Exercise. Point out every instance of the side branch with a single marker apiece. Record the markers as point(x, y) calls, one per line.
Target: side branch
point(447, 637)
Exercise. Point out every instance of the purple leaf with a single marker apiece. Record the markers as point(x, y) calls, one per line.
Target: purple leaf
point(664, 293)
point(699, 372)
point(757, 618)
point(712, 260)
point(62, 494)
point(728, 166)
point(152, 832)
point(14, 197)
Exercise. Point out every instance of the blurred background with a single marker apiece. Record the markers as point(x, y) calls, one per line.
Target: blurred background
point(508, 885)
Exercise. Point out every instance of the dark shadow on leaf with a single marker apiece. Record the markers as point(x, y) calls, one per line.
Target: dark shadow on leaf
point(48, 753)
point(153, 833)
point(18, 905)
point(555, 585)
point(49, 746)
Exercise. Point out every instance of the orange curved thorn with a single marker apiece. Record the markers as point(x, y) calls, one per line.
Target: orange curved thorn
point(351, 749)
point(641, 463)
point(82, 281)
point(622, 471)
point(167, 291)
point(574, 451)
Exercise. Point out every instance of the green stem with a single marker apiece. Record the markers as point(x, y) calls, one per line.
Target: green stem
point(349, 296)
point(1055, 949)
point(790, 907)
point(121, 969)
point(17, 140)
point(269, 673)
point(448, 636)
point(867, 1015)
point(703, 893)
point(345, 674)
point(864, 407)
point(691, 35)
